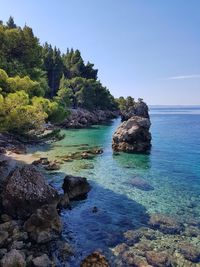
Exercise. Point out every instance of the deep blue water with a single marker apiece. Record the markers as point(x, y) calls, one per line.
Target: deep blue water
point(172, 169)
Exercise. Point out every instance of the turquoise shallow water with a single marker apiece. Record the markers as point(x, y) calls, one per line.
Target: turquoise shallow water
point(172, 169)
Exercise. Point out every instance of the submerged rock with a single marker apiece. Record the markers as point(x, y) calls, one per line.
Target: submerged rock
point(25, 191)
point(52, 166)
point(94, 260)
point(141, 184)
point(133, 136)
point(158, 259)
point(190, 252)
point(76, 187)
point(165, 224)
point(41, 161)
point(132, 237)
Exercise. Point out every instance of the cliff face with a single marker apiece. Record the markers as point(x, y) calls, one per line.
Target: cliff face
point(133, 134)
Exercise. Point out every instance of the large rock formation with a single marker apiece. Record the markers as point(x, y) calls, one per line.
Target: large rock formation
point(133, 136)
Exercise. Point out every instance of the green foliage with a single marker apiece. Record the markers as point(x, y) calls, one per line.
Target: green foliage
point(14, 84)
point(89, 94)
point(20, 52)
point(74, 66)
point(10, 23)
point(55, 111)
point(38, 84)
point(18, 116)
point(126, 104)
point(53, 65)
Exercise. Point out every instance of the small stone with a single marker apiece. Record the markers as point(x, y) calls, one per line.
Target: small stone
point(94, 209)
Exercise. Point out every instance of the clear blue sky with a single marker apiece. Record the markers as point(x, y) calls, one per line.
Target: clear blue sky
point(143, 48)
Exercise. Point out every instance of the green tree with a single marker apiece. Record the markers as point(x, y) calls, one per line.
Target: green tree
point(10, 23)
point(19, 115)
point(53, 65)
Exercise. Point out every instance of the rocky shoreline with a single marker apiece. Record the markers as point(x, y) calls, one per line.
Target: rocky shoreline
point(81, 118)
point(30, 225)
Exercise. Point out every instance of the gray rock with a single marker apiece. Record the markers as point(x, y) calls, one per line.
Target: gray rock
point(64, 202)
point(133, 136)
point(42, 261)
point(3, 252)
point(140, 109)
point(17, 245)
point(76, 187)
point(13, 259)
point(44, 225)
point(80, 118)
point(3, 237)
point(25, 191)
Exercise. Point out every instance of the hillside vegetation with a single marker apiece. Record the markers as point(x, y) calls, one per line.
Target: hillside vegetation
point(40, 84)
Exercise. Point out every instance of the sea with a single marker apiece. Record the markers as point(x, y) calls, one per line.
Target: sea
point(171, 169)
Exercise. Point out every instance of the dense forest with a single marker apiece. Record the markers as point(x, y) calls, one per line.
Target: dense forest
point(40, 84)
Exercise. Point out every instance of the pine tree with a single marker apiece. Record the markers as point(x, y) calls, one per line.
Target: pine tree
point(10, 23)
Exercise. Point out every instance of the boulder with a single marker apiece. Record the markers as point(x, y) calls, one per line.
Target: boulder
point(25, 191)
point(95, 259)
point(76, 187)
point(133, 136)
point(42, 261)
point(44, 225)
point(13, 259)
